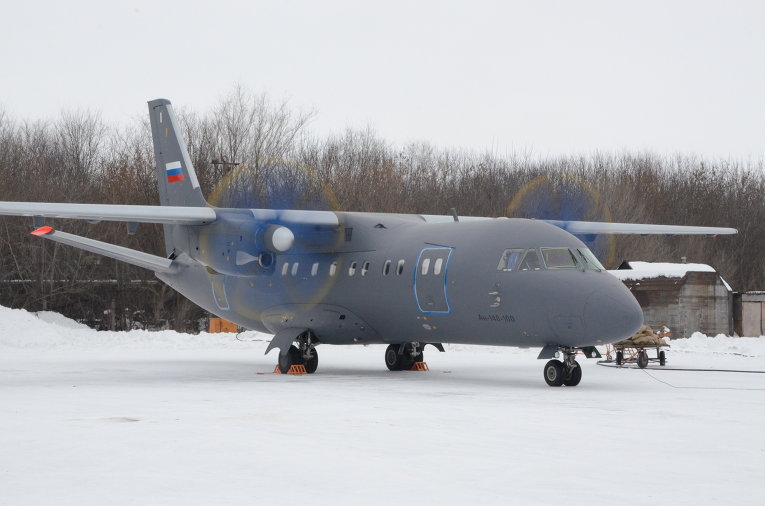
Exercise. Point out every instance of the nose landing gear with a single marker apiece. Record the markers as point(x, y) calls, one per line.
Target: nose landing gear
point(567, 372)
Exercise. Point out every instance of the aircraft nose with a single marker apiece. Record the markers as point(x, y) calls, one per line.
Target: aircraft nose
point(612, 313)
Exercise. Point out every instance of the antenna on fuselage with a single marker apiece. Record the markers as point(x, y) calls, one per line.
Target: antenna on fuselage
point(454, 214)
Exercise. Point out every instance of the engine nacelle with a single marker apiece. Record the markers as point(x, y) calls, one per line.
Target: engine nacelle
point(240, 247)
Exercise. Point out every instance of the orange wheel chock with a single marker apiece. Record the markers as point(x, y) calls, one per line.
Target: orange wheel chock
point(295, 370)
point(420, 366)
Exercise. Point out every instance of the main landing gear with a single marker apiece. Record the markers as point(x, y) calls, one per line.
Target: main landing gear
point(303, 354)
point(567, 372)
point(401, 357)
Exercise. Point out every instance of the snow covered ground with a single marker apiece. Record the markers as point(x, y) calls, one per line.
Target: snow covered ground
point(164, 418)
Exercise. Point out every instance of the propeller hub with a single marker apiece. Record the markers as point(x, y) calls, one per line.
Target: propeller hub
point(279, 238)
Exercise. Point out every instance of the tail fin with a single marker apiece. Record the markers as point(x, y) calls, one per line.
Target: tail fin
point(178, 184)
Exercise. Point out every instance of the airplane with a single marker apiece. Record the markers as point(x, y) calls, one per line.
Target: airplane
point(325, 277)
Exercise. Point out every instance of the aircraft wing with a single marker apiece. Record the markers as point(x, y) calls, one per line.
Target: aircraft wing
point(602, 227)
point(596, 227)
point(112, 212)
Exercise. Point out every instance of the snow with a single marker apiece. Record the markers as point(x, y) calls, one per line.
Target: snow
point(166, 418)
point(649, 270)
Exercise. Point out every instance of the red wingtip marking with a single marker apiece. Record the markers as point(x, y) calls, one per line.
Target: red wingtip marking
point(42, 231)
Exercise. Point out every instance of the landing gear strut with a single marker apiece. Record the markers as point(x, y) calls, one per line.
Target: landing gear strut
point(401, 357)
point(567, 372)
point(302, 354)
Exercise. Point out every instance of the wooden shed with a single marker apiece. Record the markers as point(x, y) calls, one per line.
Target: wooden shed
point(687, 298)
point(749, 314)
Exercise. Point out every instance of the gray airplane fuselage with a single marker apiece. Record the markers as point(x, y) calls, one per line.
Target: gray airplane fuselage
point(387, 278)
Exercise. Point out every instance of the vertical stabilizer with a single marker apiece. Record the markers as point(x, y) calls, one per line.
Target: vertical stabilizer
point(178, 184)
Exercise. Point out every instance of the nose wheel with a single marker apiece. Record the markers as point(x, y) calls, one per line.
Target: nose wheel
point(567, 372)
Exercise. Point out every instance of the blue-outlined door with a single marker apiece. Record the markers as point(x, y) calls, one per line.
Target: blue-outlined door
point(430, 277)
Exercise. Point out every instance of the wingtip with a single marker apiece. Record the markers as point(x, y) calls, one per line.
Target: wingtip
point(42, 231)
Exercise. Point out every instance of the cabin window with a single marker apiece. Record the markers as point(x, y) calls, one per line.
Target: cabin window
point(333, 268)
point(531, 261)
point(386, 268)
point(365, 268)
point(285, 268)
point(315, 269)
point(559, 258)
point(425, 266)
point(591, 262)
point(352, 269)
point(509, 259)
point(295, 268)
point(400, 267)
point(437, 266)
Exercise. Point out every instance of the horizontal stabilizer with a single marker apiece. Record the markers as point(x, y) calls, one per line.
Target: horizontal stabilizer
point(147, 261)
point(596, 227)
point(112, 212)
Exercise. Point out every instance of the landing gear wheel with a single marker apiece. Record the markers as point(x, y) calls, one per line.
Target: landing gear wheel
point(662, 358)
point(573, 376)
point(642, 359)
point(553, 373)
point(619, 358)
point(392, 359)
point(312, 362)
point(292, 357)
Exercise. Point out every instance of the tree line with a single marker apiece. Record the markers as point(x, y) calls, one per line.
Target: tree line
point(252, 151)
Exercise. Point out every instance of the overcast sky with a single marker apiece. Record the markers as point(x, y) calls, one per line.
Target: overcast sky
point(549, 77)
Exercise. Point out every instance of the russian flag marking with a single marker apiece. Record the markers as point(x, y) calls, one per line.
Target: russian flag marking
point(174, 172)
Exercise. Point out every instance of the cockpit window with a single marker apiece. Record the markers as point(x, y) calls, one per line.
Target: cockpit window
point(509, 259)
point(559, 258)
point(590, 260)
point(530, 262)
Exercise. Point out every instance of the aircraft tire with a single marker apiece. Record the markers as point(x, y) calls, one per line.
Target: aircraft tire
point(662, 358)
point(619, 358)
point(292, 357)
point(642, 359)
point(553, 373)
point(312, 363)
point(574, 376)
point(392, 359)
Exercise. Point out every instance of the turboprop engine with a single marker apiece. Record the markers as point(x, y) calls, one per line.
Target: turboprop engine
point(240, 247)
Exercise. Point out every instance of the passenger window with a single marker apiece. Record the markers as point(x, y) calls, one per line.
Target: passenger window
point(365, 268)
point(559, 258)
point(315, 269)
point(333, 268)
point(386, 268)
point(400, 267)
point(509, 259)
point(530, 261)
point(352, 269)
point(295, 268)
point(590, 260)
point(285, 268)
point(425, 266)
point(437, 266)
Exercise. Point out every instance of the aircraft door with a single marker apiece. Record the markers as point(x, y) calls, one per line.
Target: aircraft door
point(430, 277)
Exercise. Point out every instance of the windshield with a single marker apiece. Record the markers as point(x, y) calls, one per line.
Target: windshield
point(590, 260)
point(559, 258)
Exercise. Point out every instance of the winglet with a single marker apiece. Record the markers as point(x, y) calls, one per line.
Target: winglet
point(42, 231)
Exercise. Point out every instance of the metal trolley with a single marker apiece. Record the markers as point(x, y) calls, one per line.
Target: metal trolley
point(638, 353)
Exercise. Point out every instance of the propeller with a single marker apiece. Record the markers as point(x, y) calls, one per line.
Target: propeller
point(566, 198)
